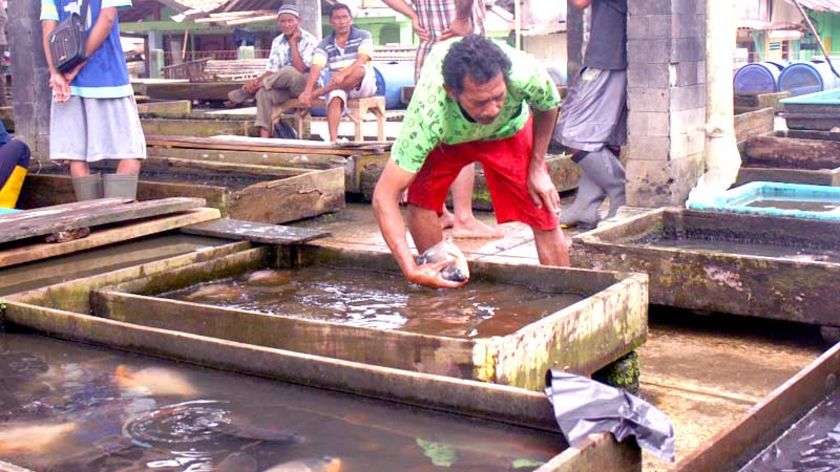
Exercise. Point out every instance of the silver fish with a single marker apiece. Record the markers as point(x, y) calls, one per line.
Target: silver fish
point(458, 271)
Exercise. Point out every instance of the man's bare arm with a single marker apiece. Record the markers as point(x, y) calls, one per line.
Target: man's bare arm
point(386, 208)
point(463, 9)
point(540, 186)
point(297, 60)
point(400, 6)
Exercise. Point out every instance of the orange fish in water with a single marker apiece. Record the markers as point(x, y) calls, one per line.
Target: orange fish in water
point(157, 380)
point(458, 271)
point(30, 438)
point(270, 277)
point(213, 291)
point(324, 464)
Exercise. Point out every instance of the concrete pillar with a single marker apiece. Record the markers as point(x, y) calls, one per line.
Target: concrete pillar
point(30, 76)
point(310, 12)
point(666, 100)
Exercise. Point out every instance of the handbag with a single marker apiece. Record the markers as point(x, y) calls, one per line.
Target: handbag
point(68, 40)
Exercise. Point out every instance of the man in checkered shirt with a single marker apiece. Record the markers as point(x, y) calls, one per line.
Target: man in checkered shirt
point(434, 21)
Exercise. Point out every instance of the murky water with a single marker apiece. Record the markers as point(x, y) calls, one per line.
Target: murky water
point(811, 445)
point(379, 300)
point(749, 249)
point(96, 261)
point(802, 205)
point(70, 407)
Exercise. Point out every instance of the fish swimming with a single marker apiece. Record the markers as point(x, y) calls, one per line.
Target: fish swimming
point(31, 438)
point(458, 271)
point(213, 291)
point(269, 277)
point(158, 380)
point(323, 464)
point(237, 462)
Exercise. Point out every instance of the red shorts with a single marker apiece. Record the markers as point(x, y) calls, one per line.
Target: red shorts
point(505, 163)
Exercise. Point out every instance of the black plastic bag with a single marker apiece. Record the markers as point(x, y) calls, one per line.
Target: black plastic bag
point(583, 406)
point(283, 131)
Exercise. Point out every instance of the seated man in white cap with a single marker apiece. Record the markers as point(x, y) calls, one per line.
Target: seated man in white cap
point(286, 72)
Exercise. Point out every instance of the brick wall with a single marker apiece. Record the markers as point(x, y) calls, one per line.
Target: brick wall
point(666, 100)
point(31, 93)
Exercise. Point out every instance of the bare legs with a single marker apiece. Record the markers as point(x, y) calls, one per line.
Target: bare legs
point(426, 232)
point(464, 223)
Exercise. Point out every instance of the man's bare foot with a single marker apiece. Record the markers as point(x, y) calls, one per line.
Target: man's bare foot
point(447, 219)
point(473, 228)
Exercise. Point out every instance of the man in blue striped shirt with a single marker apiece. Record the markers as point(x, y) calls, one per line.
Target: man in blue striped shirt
point(346, 52)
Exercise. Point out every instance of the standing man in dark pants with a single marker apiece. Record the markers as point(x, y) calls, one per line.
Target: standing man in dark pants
point(593, 119)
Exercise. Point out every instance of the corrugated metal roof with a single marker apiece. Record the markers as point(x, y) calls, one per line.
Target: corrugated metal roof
point(819, 5)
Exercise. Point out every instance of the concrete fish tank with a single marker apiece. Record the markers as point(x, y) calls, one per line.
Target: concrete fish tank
point(248, 419)
point(778, 199)
point(246, 192)
point(515, 324)
point(769, 267)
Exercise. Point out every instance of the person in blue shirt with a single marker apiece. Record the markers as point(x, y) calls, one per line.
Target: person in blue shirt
point(93, 114)
point(14, 162)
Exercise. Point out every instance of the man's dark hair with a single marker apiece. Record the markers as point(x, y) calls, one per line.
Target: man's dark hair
point(477, 56)
point(339, 6)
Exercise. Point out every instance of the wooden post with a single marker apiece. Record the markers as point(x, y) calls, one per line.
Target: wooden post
point(31, 94)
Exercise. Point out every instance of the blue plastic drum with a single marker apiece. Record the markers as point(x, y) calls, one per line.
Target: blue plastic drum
point(801, 78)
point(758, 77)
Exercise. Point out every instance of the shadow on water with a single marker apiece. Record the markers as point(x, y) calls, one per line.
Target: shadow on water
point(72, 407)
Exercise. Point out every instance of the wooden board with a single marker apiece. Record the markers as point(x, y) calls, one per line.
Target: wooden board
point(256, 232)
point(197, 127)
point(165, 108)
point(749, 102)
point(266, 194)
point(773, 151)
point(204, 91)
point(240, 143)
point(830, 177)
point(732, 448)
point(809, 134)
point(128, 231)
point(753, 123)
point(50, 220)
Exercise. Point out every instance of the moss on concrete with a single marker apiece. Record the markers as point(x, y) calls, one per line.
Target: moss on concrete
point(623, 373)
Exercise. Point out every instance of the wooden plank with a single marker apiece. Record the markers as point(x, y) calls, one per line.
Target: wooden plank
point(206, 91)
point(753, 123)
point(44, 221)
point(198, 128)
point(731, 448)
point(126, 232)
point(267, 194)
point(809, 134)
point(71, 206)
point(772, 151)
point(256, 232)
point(830, 177)
point(165, 108)
point(289, 199)
point(749, 102)
point(274, 159)
point(241, 143)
